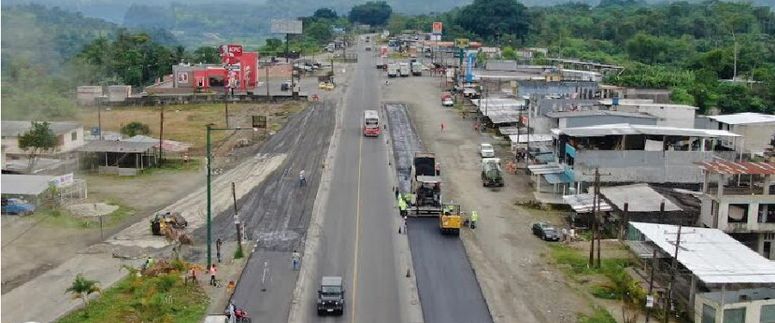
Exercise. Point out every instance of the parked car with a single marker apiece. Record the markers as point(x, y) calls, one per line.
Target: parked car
point(486, 150)
point(545, 231)
point(447, 101)
point(17, 207)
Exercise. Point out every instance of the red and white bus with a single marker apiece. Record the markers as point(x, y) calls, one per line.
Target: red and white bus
point(371, 123)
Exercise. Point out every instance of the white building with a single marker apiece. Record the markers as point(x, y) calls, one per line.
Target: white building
point(756, 128)
point(668, 115)
point(69, 136)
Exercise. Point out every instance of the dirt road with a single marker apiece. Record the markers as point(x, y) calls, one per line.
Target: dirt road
point(511, 265)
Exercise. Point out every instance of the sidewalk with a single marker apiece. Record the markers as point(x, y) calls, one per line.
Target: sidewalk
point(229, 269)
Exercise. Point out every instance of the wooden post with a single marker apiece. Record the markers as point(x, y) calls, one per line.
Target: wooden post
point(625, 220)
point(672, 275)
point(161, 135)
point(651, 280)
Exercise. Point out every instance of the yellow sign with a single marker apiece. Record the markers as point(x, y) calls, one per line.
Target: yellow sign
point(461, 42)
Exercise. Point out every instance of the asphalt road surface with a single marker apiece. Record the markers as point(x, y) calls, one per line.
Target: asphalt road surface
point(444, 274)
point(359, 232)
point(276, 214)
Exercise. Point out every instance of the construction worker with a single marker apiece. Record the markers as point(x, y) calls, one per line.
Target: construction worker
point(474, 219)
point(402, 206)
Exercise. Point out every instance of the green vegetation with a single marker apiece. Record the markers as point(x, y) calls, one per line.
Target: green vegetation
point(685, 47)
point(371, 13)
point(39, 139)
point(82, 288)
point(600, 315)
point(135, 128)
point(163, 297)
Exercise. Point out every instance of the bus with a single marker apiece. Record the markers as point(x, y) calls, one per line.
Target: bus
point(371, 123)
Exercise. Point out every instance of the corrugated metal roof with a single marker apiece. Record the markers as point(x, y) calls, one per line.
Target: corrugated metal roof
point(588, 113)
point(639, 198)
point(582, 203)
point(734, 168)
point(545, 169)
point(633, 129)
point(533, 137)
point(24, 184)
point(117, 146)
point(710, 254)
point(744, 118)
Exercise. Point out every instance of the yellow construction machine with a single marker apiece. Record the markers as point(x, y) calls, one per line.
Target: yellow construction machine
point(450, 219)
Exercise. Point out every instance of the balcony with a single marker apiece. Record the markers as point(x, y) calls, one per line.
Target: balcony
point(743, 227)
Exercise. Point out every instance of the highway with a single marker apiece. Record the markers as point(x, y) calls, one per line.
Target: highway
point(358, 234)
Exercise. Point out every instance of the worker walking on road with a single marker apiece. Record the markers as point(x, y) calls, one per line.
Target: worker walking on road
point(295, 260)
point(218, 244)
point(402, 206)
point(213, 270)
point(302, 179)
point(442, 127)
point(474, 219)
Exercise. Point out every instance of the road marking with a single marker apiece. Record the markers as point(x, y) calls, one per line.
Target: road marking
point(357, 228)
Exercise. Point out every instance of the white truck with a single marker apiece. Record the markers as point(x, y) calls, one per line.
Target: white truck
point(392, 69)
point(417, 68)
point(404, 69)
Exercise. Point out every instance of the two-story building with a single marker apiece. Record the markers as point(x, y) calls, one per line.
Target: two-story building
point(741, 203)
point(630, 153)
point(757, 129)
point(668, 115)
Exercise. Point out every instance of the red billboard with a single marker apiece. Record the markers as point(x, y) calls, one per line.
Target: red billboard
point(437, 27)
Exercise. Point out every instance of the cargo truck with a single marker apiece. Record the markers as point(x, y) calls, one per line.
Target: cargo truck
point(392, 70)
point(417, 68)
point(492, 174)
point(426, 184)
point(404, 69)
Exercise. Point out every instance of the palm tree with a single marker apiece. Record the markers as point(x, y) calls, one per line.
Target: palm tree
point(82, 288)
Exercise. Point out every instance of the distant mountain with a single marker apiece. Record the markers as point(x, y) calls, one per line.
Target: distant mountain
point(548, 3)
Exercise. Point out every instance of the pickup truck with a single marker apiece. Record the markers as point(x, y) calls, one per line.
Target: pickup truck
point(331, 296)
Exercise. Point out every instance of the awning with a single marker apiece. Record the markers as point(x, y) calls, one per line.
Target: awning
point(545, 169)
point(557, 178)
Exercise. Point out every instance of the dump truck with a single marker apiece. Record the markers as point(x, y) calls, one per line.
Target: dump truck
point(426, 184)
point(450, 219)
point(492, 174)
point(392, 69)
point(404, 69)
point(162, 220)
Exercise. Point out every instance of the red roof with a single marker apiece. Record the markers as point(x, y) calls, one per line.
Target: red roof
point(735, 168)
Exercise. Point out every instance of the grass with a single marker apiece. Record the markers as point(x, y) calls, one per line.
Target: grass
point(163, 298)
point(62, 218)
point(576, 262)
point(599, 315)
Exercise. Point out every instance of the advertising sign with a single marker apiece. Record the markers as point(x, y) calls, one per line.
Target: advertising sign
point(230, 54)
point(286, 26)
point(461, 42)
point(62, 181)
point(259, 122)
point(437, 27)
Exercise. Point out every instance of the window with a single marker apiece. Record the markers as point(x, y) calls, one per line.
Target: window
point(734, 315)
point(74, 136)
point(708, 314)
point(768, 314)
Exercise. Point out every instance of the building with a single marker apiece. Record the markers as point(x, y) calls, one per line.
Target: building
point(30, 188)
point(716, 278)
point(741, 202)
point(585, 118)
point(757, 129)
point(668, 115)
point(123, 158)
point(628, 153)
point(69, 135)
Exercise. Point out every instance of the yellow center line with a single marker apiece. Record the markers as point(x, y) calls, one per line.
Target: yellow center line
point(357, 229)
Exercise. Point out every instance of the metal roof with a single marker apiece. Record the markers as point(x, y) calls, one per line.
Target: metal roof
point(582, 203)
point(588, 113)
point(24, 184)
point(744, 118)
point(106, 146)
point(545, 169)
point(509, 130)
point(557, 178)
point(735, 168)
point(533, 137)
point(710, 254)
point(16, 128)
point(620, 129)
point(639, 198)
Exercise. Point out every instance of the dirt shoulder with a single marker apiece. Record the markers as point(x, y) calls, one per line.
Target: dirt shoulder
point(512, 266)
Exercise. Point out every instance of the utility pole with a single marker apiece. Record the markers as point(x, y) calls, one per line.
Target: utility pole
point(267, 80)
point(672, 275)
point(161, 136)
point(651, 282)
point(597, 232)
point(209, 203)
point(99, 120)
point(236, 215)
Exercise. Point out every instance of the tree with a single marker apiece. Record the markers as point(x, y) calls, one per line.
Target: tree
point(371, 13)
point(135, 128)
point(325, 13)
point(495, 18)
point(207, 55)
point(508, 53)
point(82, 288)
point(38, 139)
